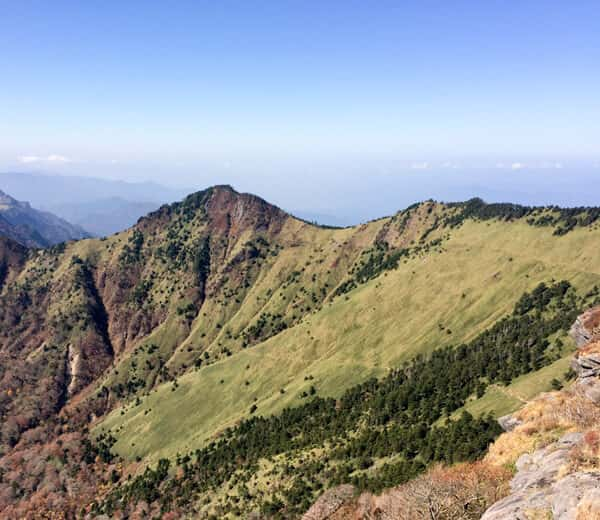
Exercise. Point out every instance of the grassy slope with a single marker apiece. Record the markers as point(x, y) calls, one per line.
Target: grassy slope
point(500, 400)
point(379, 325)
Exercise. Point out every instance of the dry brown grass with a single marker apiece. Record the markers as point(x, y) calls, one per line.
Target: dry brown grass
point(593, 347)
point(577, 411)
point(461, 492)
point(538, 427)
point(538, 514)
point(589, 507)
point(586, 455)
point(591, 320)
point(544, 420)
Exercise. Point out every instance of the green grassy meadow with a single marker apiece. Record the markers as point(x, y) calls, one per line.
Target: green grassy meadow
point(431, 300)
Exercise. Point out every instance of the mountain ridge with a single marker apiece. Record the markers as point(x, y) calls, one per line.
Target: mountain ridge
point(34, 228)
point(225, 296)
point(100, 206)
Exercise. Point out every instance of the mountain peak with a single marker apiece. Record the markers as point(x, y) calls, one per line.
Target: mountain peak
point(227, 211)
point(6, 199)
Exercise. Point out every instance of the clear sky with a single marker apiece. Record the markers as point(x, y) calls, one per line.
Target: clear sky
point(277, 95)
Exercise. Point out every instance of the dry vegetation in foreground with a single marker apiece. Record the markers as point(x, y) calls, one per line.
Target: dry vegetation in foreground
point(460, 492)
point(465, 491)
point(543, 421)
point(589, 509)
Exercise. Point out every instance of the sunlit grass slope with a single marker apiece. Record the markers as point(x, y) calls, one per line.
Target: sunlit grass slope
point(435, 299)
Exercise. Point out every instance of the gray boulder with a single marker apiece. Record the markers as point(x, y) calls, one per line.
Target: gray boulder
point(532, 488)
point(568, 493)
point(329, 502)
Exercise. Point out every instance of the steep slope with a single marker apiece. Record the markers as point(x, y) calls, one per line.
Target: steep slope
point(546, 465)
point(74, 309)
point(432, 300)
point(12, 257)
point(33, 228)
point(554, 442)
point(222, 307)
point(376, 434)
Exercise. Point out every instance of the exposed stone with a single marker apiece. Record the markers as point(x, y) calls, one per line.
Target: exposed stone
point(509, 422)
point(569, 492)
point(329, 502)
point(590, 388)
point(586, 365)
point(533, 487)
point(536, 485)
point(586, 327)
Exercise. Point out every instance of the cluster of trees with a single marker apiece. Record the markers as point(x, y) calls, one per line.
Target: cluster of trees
point(189, 207)
point(562, 219)
point(381, 258)
point(132, 251)
point(202, 263)
point(266, 326)
point(395, 417)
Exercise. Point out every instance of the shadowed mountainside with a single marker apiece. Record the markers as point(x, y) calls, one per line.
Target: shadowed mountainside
point(33, 228)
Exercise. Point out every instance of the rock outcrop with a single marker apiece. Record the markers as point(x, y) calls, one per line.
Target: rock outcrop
point(586, 327)
point(536, 487)
point(330, 502)
point(509, 422)
point(587, 362)
point(537, 493)
point(586, 365)
point(547, 483)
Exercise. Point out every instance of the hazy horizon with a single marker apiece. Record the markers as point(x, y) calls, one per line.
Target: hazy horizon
point(341, 109)
point(341, 202)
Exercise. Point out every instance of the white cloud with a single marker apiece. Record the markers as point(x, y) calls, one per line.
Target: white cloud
point(57, 158)
point(29, 159)
point(544, 165)
point(419, 165)
point(52, 158)
point(451, 165)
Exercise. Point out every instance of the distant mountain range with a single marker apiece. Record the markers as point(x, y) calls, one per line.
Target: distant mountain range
point(100, 206)
point(104, 217)
point(33, 228)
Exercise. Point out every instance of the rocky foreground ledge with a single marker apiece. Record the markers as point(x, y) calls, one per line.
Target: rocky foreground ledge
point(538, 490)
point(560, 480)
point(552, 444)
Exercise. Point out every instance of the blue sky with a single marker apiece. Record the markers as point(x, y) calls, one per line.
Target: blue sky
point(273, 95)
